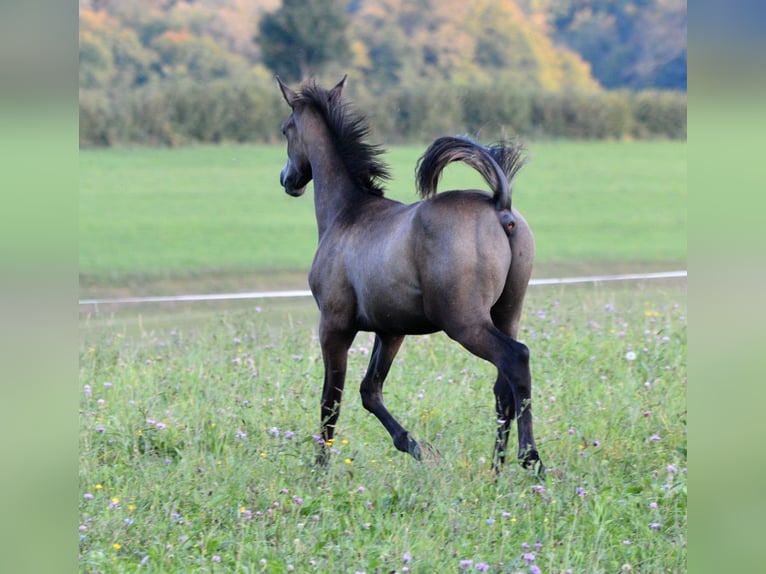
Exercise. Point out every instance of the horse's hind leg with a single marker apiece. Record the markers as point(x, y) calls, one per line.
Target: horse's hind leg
point(383, 352)
point(506, 411)
point(512, 361)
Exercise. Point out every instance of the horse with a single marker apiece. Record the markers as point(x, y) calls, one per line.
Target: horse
point(457, 261)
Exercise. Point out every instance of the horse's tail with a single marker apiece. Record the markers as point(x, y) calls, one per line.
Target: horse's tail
point(498, 164)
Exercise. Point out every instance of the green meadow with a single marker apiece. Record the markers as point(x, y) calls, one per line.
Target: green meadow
point(150, 218)
point(197, 422)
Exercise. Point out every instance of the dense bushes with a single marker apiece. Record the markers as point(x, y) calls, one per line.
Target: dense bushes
point(216, 112)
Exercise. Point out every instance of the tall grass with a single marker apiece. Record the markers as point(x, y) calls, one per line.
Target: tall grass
point(196, 449)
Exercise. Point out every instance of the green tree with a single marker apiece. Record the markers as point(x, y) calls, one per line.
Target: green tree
point(301, 37)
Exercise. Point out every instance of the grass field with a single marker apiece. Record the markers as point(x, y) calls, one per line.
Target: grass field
point(212, 215)
point(196, 449)
point(197, 422)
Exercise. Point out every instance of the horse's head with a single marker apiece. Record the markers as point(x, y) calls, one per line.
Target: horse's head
point(296, 174)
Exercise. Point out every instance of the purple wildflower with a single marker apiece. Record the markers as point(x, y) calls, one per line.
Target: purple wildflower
point(581, 492)
point(654, 525)
point(407, 557)
point(274, 431)
point(297, 500)
point(524, 546)
point(596, 443)
point(671, 468)
point(534, 569)
point(652, 505)
point(528, 556)
point(655, 438)
point(87, 496)
point(482, 566)
point(490, 521)
point(241, 435)
point(216, 558)
point(465, 564)
point(289, 434)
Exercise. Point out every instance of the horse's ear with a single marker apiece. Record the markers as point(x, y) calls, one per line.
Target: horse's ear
point(289, 95)
point(336, 91)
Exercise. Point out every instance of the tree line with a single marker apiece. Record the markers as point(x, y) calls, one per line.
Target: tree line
point(169, 72)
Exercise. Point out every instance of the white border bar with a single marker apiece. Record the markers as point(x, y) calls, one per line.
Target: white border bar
point(307, 293)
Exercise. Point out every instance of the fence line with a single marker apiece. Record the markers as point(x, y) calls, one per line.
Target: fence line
point(307, 293)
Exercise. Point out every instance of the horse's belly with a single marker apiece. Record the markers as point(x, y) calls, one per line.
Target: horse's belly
point(394, 312)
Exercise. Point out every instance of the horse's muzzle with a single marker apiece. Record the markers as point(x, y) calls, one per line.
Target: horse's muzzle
point(293, 182)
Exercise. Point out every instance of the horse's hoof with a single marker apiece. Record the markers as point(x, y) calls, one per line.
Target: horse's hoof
point(414, 449)
point(531, 459)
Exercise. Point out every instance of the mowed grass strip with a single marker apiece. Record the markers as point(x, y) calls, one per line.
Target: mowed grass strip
point(148, 214)
point(196, 448)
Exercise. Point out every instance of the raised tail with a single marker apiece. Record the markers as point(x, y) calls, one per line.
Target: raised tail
point(497, 164)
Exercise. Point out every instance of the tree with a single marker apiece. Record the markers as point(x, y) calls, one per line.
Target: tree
point(300, 38)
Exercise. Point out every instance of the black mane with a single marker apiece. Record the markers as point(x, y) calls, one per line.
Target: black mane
point(349, 130)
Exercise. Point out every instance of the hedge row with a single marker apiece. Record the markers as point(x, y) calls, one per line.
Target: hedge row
point(214, 113)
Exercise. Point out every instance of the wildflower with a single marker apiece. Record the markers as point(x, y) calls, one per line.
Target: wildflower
point(245, 514)
point(274, 431)
point(534, 569)
point(297, 500)
point(652, 505)
point(161, 426)
point(241, 435)
point(83, 528)
point(538, 545)
point(655, 438)
point(490, 521)
point(528, 556)
point(596, 443)
point(407, 558)
point(671, 468)
point(570, 431)
point(482, 566)
point(505, 514)
point(87, 390)
point(581, 492)
point(114, 503)
point(524, 546)
point(87, 496)
point(215, 558)
point(361, 489)
point(538, 488)
point(116, 545)
point(654, 525)
point(98, 487)
point(289, 434)
point(465, 564)
point(630, 356)
point(647, 413)
point(318, 440)
point(344, 442)
point(100, 429)
point(348, 460)
point(128, 521)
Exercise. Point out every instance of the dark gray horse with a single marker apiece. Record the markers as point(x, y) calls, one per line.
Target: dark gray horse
point(458, 262)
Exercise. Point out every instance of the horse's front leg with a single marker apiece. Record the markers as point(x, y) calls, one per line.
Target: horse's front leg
point(383, 352)
point(335, 347)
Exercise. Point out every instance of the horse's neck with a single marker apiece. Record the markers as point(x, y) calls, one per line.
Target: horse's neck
point(333, 188)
